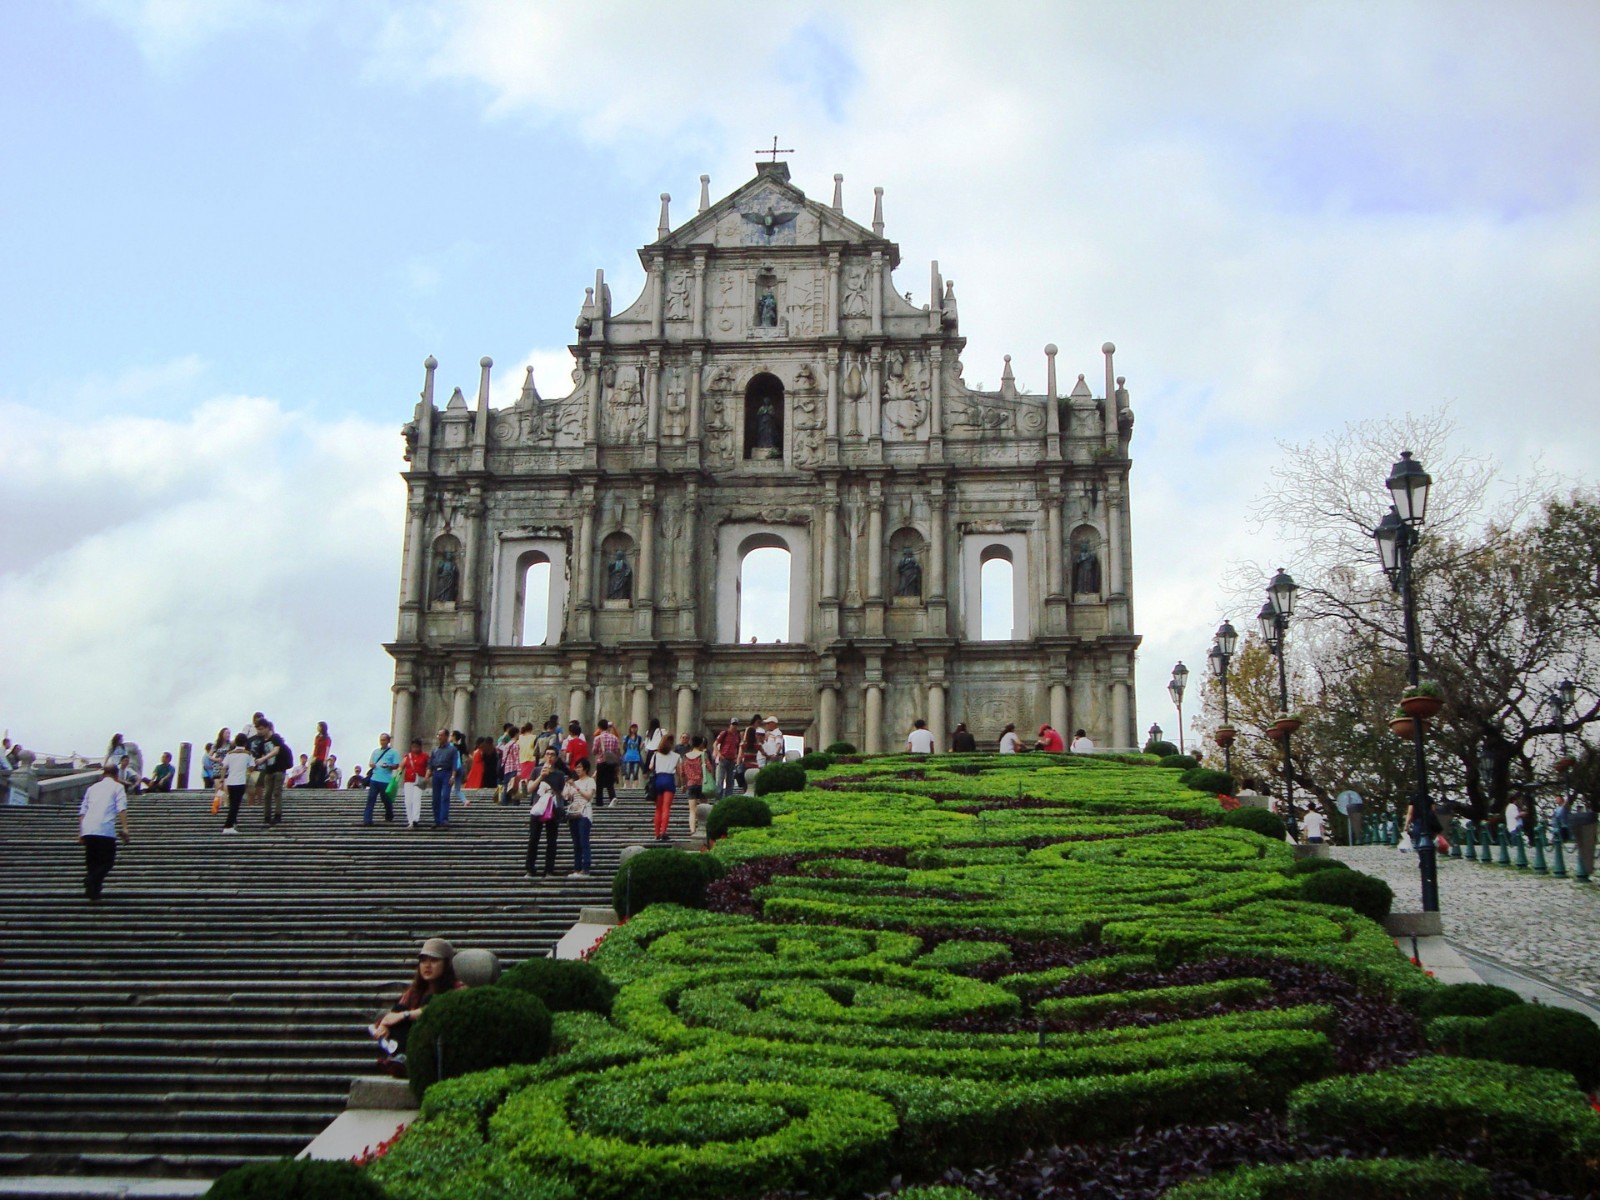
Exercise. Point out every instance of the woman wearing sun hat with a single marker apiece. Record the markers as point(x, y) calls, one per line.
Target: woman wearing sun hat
point(435, 975)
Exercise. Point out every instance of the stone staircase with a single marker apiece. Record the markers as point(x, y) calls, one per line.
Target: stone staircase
point(211, 1009)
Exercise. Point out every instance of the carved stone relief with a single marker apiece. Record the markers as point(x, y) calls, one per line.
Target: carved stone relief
point(675, 409)
point(623, 406)
point(679, 291)
point(905, 396)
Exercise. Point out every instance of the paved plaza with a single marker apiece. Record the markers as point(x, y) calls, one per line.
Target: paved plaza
point(1545, 927)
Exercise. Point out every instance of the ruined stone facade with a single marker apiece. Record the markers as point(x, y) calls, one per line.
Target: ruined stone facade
point(771, 387)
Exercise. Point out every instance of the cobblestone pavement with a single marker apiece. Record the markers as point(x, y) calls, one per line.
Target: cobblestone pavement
point(1549, 928)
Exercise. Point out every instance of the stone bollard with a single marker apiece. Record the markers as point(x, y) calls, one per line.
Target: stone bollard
point(476, 968)
point(1486, 847)
point(1457, 832)
point(1469, 834)
point(1558, 850)
point(1522, 850)
point(1505, 848)
point(629, 852)
point(1583, 833)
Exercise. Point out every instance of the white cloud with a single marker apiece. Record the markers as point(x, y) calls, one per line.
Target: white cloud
point(256, 567)
point(168, 30)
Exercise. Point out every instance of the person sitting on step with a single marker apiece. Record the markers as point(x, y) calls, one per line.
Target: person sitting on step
point(435, 975)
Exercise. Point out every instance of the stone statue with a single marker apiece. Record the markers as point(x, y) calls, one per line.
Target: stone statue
point(910, 572)
point(767, 310)
point(446, 579)
point(619, 578)
point(766, 435)
point(1085, 568)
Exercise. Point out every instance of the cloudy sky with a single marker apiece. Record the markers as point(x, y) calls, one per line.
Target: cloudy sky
point(232, 230)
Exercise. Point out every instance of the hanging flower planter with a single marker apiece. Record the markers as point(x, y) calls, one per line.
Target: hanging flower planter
point(1404, 726)
point(1274, 732)
point(1286, 725)
point(1225, 735)
point(1421, 707)
point(1566, 764)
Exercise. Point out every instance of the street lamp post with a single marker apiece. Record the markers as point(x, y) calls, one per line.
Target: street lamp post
point(1274, 621)
point(1397, 536)
point(1175, 686)
point(1155, 732)
point(1562, 700)
point(1221, 654)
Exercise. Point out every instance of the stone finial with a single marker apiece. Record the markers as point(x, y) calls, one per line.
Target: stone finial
point(484, 364)
point(705, 192)
point(530, 393)
point(1008, 380)
point(429, 366)
point(838, 193)
point(877, 212)
point(457, 400)
point(1050, 369)
point(664, 226)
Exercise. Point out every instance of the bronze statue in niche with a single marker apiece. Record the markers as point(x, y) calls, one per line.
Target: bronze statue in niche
point(763, 418)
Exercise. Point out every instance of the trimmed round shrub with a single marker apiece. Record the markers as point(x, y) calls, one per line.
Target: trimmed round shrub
point(817, 760)
point(297, 1179)
point(1180, 762)
point(837, 748)
point(1310, 866)
point(1353, 889)
point(737, 812)
point(1257, 820)
point(474, 1029)
point(1161, 749)
point(563, 985)
point(1465, 1000)
point(780, 777)
point(1538, 1035)
point(1204, 779)
point(660, 877)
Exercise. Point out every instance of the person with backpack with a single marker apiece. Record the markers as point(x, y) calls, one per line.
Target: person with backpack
point(381, 766)
point(693, 769)
point(632, 754)
point(606, 753)
point(274, 763)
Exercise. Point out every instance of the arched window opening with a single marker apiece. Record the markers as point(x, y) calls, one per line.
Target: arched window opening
point(533, 600)
point(763, 417)
point(763, 587)
point(996, 595)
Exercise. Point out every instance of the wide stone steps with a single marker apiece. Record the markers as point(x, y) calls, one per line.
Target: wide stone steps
point(212, 1009)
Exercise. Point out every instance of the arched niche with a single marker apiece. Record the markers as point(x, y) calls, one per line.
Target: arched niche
point(444, 570)
point(618, 572)
point(737, 539)
point(979, 548)
point(907, 566)
point(763, 417)
point(513, 558)
point(1086, 563)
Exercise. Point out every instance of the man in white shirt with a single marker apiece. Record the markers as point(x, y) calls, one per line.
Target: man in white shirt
point(772, 743)
point(1313, 826)
point(1081, 743)
point(102, 818)
point(919, 740)
point(1513, 818)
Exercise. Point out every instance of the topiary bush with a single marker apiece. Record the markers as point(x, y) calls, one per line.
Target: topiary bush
point(297, 1179)
point(563, 985)
point(817, 760)
point(780, 777)
point(1180, 762)
point(837, 748)
point(660, 877)
point(737, 812)
point(1310, 866)
point(1537, 1035)
point(477, 1028)
point(1204, 779)
point(1161, 749)
point(1465, 1000)
point(1345, 1179)
point(1257, 820)
point(1354, 889)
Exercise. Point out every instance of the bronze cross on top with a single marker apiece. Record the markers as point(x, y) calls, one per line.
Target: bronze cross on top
point(775, 151)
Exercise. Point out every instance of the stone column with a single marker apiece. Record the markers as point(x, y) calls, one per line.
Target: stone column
point(405, 698)
point(469, 548)
point(699, 299)
point(644, 589)
point(658, 293)
point(874, 429)
point(581, 602)
point(936, 540)
point(461, 709)
point(594, 383)
point(874, 588)
point(876, 288)
point(1114, 541)
point(874, 719)
point(936, 716)
point(652, 393)
point(416, 551)
point(830, 543)
point(685, 713)
point(832, 430)
point(827, 715)
point(936, 400)
point(1058, 710)
point(696, 370)
point(1121, 719)
point(1052, 509)
point(639, 714)
point(833, 294)
point(688, 557)
point(576, 699)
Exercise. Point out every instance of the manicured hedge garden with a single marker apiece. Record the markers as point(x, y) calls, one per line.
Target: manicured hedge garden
point(949, 971)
